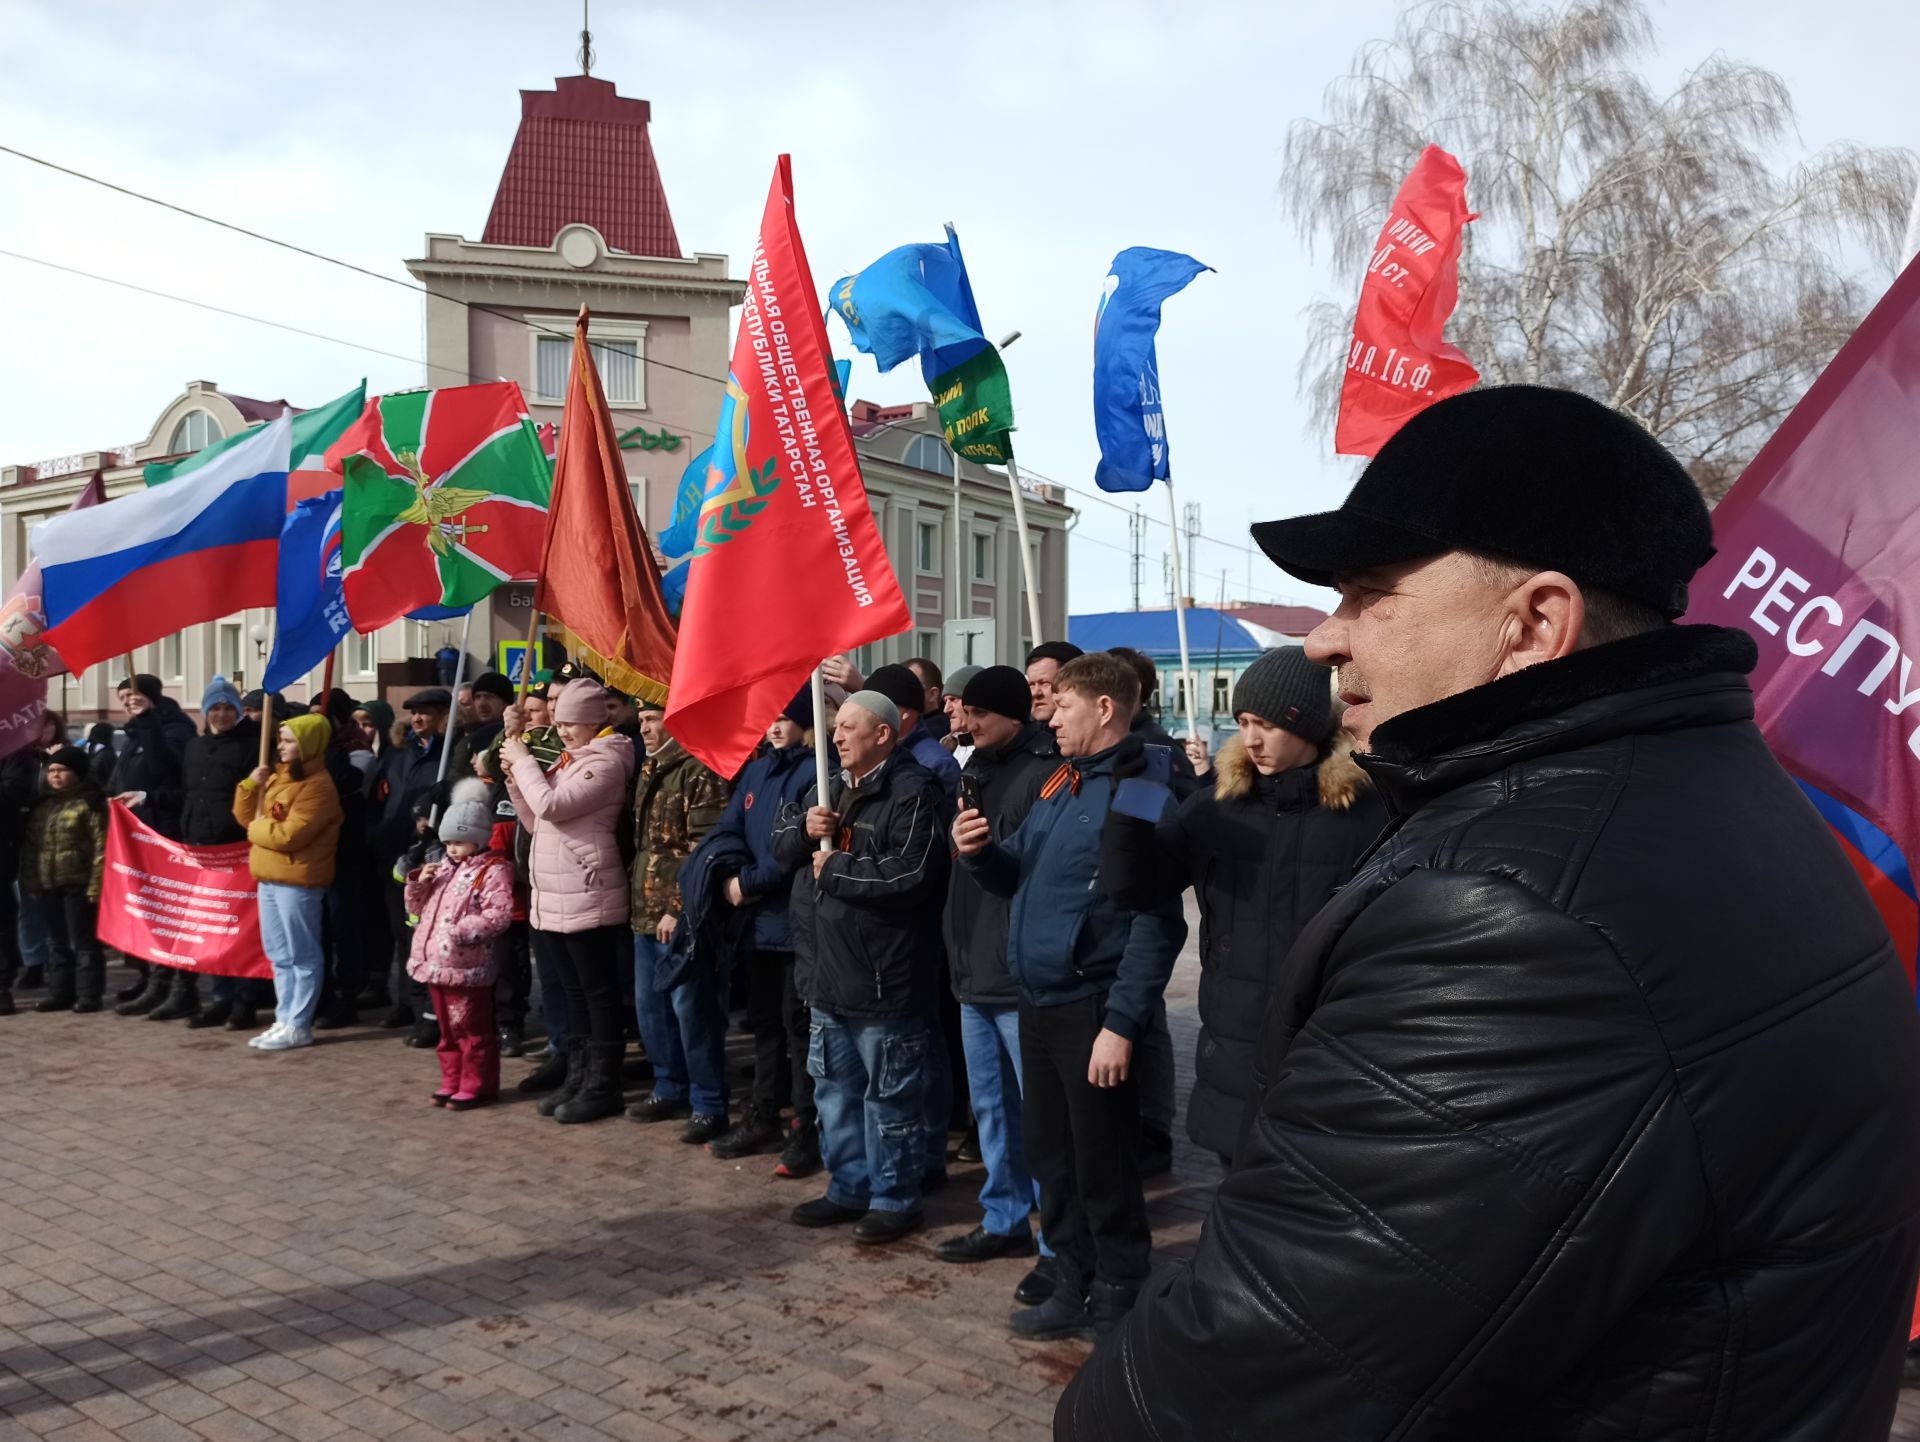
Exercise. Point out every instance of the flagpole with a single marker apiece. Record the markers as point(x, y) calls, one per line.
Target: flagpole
point(326, 678)
point(269, 718)
point(526, 661)
point(1180, 609)
point(1026, 551)
point(820, 747)
point(453, 710)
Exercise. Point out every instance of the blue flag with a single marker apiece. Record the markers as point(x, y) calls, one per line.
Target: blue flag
point(1127, 417)
point(312, 608)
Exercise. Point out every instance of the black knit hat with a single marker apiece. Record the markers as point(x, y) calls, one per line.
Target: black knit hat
point(1545, 477)
point(1001, 690)
point(148, 686)
point(1285, 689)
point(71, 757)
point(492, 683)
point(800, 709)
point(1061, 651)
point(900, 686)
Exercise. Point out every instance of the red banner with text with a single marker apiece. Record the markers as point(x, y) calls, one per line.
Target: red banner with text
point(193, 907)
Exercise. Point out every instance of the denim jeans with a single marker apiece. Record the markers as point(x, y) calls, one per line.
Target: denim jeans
point(685, 1032)
point(991, 1036)
point(290, 922)
point(936, 1097)
point(870, 1084)
point(553, 993)
point(36, 942)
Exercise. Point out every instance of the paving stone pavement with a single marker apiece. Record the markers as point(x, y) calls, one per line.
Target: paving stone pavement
point(202, 1243)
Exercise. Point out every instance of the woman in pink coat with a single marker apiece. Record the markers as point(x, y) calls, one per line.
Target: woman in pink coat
point(579, 887)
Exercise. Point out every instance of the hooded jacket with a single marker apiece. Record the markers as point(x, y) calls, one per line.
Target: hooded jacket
point(1589, 1108)
point(573, 814)
point(1066, 940)
point(866, 931)
point(462, 908)
point(676, 802)
point(1009, 779)
point(294, 823)
point(1263, 854)
point(211, 771)
point(156, 748)
point(771, 782)
point(65, 843)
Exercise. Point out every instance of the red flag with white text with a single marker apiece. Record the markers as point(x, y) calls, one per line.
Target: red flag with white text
point(1400, 361)
point(192, 907)
point(787, 565)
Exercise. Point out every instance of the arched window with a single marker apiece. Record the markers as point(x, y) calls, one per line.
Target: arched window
point(930, 453)
point(197, 430)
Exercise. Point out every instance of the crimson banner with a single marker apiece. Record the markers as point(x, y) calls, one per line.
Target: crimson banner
point(194, 907)
point(1400, 362)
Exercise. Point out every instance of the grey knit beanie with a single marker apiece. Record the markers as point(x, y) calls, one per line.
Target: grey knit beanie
point(877, 706)
point(469, 817)
point(1285, 689)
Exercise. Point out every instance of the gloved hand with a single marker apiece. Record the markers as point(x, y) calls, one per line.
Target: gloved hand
point(1130, 759)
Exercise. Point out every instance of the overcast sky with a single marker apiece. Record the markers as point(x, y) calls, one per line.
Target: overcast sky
point(1051, 133)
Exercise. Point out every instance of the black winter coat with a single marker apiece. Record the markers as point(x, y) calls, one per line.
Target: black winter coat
point(866, 932)
point(1589, 1109)
point(1009, 779)
point(401, 786)
point(1263, 854)
point(20, 776)
point(156, 750)
point(211, 770)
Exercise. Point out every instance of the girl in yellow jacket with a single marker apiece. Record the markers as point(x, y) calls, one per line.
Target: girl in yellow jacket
point(292, 815)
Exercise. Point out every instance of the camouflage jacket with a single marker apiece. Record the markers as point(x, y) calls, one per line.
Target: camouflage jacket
point(65, 847)
point(676, 802)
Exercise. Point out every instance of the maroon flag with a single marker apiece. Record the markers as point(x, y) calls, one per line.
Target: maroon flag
point(27, 663)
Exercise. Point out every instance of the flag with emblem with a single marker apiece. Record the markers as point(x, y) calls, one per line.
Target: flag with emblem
point(445, 499)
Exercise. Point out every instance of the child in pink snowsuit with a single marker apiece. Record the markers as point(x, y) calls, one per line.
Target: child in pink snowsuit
point(463, 903)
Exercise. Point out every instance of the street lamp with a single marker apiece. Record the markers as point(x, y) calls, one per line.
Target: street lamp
point(261, 635)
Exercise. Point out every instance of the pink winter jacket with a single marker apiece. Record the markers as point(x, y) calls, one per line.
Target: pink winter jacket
point(462, 908)
point(573, 811)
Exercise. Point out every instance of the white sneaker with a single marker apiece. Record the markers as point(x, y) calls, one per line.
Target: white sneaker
point(271, 1034)
point(296, 1036)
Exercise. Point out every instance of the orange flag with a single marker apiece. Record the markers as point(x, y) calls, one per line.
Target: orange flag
point(598, 580)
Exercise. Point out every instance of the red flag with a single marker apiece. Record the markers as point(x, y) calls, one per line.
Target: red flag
point(194, 907)
point(597, 574)
point(788, 566)
point(27, 662)
point(1400, 362)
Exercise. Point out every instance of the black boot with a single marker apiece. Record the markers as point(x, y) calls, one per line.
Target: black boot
point(54, 1002)
point(137, 985)
point(425, 1033)
point(758, 1131)
point(513, 1039)
point(6, 1001)
point(183, 999)
point(601, 1096)
point(576, 1077)
point(550, 1074)
point(159, 983)
point(245, 1015)
point(1064, 1314)
point(1108, 1304)
point(215, 1015)
point(801, 1155)
point(32, 978)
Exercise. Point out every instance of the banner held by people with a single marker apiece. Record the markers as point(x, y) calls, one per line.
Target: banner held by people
point(192, 907)
point(789, 566)
point(135, 569)
point(27, 662)
point(1400, 361)
point(599, 582)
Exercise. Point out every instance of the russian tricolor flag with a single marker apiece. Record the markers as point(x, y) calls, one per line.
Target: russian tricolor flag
point(129, 572)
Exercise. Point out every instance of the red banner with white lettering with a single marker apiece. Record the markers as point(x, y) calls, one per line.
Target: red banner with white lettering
point(192, 907)
point(1400, 362)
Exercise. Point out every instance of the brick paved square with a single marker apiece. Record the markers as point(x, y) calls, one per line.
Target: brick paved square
point(203, 1243)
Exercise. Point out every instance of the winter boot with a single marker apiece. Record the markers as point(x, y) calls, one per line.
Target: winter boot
point(183, 999)
point(245, 1015)
point(141, 975)
point(801, 1155)
point(1064, 1314)
point(551, 1073)
point(1108, 1304)
point(215, 1015)
point(576, 1077)
point(159, 983)
point(32, 978)
point(601, 1096)
point(758, 1131)
point(6, 1001)
point(425, 1033)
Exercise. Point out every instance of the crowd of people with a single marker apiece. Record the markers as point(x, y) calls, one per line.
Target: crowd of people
point(954, 956)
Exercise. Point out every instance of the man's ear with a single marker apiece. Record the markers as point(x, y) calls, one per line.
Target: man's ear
point(1544, 616)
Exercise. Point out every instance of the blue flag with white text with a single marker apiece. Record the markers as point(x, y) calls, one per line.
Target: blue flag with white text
point(1127, 416)
point(312, 607)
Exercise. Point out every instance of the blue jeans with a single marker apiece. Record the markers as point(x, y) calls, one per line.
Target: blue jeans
point(290, 921)
point(36, 943)
point(937, 1095)
point(553, 997)
point(685, 1032)
point(869, 1083)
point(991, 1037)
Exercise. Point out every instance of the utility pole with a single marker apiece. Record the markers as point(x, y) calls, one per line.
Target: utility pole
point(1137, 540)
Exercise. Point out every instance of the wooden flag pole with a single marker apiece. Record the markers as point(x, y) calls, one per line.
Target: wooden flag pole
point(326, 680)
point(526, 661)
point(269, 717)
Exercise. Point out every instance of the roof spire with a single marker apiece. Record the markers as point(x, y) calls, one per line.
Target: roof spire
point(586, 56)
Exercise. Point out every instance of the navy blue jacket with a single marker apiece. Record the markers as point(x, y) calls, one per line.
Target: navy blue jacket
point(1066, 939)
point(923, 745)
point(770, 783)
point(405, 779)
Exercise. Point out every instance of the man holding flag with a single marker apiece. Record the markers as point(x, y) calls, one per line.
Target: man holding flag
point(1591, 1105)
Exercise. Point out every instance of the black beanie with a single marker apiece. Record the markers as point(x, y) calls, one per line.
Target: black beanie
point(148, 686)
point(900, 686)
point(492, 683)
point(1001, 690)
point(1285, 689)
point(1061, 651)
point(71, 757)
point(800, 709)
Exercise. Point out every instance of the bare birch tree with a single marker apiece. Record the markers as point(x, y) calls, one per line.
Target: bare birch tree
point(1653, 250)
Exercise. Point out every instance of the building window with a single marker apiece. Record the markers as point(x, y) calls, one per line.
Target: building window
point(173, 654)
point(1180, 697)
point(1221, 700)
point(930, 453)
point(197, 430)
point(927, 548)
point(363, 654)
point(232, 654)
point(982, 557)
point(930, 644)
point(619, 354)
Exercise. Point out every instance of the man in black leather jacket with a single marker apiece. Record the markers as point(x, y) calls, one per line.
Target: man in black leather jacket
point(1590, 1108)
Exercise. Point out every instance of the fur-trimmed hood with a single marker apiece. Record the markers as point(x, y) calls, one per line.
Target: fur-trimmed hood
point(1340, 777)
